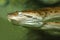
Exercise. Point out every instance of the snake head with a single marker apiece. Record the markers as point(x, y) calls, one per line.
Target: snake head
point(27, 18)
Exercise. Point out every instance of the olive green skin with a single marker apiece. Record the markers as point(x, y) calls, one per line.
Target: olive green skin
point(45, 19)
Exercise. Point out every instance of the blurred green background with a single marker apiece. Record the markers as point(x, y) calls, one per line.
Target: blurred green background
point(9, 31)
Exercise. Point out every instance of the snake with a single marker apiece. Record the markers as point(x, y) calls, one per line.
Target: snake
point(46, 19)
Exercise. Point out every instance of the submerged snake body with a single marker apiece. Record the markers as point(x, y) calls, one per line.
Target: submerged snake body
point(46, 19)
